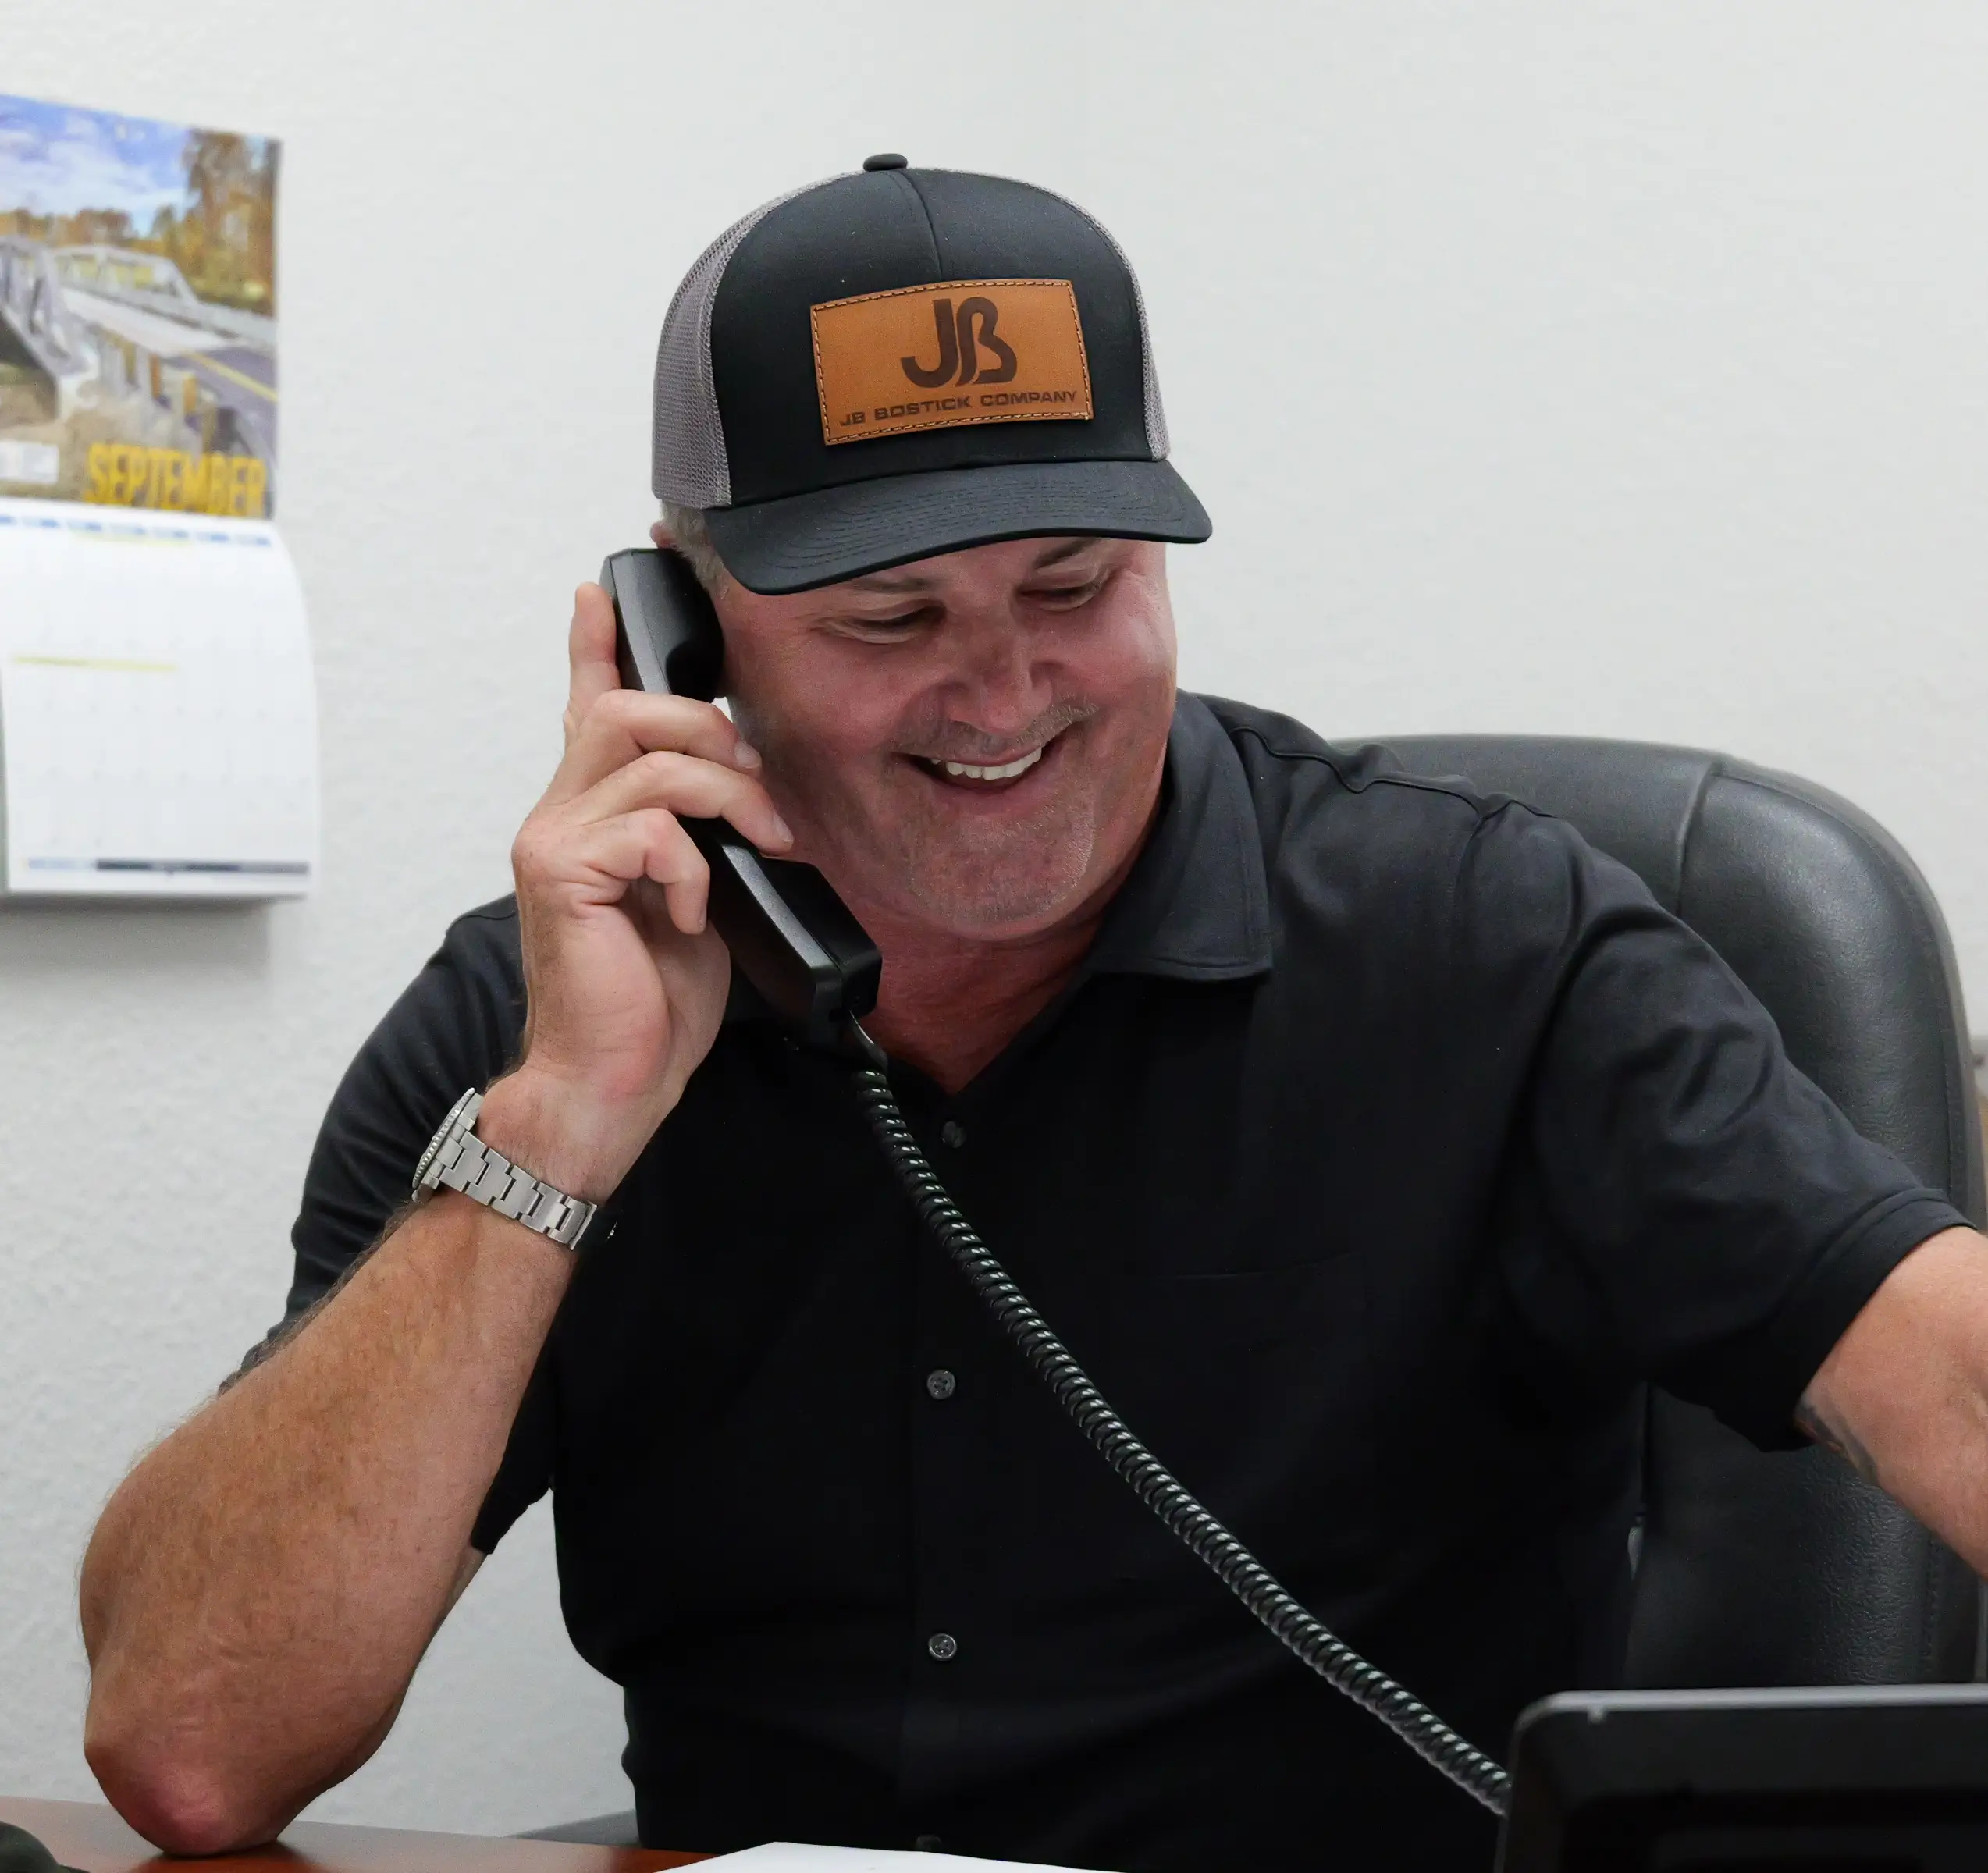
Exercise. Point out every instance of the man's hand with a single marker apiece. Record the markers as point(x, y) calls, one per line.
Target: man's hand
point(1904, 1396)
point(625, 984)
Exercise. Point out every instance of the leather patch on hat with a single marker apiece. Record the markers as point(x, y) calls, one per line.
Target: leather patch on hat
point(963, 351)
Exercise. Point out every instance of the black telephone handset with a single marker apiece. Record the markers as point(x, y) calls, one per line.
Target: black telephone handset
point(800, 948)
point(792, 938)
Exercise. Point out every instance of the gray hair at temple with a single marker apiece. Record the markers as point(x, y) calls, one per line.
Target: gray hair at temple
point(693, 540)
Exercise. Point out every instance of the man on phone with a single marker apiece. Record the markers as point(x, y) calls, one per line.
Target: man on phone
point(1373, 1142)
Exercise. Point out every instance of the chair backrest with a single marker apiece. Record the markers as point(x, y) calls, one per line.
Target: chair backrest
point(1781, 1569)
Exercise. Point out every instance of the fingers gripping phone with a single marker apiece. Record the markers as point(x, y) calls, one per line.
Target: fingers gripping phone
point(791, 937)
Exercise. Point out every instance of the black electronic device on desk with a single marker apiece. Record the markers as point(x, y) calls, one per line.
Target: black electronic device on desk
point(1877, 1779)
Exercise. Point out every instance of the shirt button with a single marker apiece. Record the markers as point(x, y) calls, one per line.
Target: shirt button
point(941, 1383)
point(942, 1646)
point(953, 1133)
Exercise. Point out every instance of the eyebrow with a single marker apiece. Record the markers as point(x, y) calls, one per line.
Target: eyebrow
point(901, 581)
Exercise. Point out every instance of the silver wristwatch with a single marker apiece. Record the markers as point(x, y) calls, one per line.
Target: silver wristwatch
point(457, 1159)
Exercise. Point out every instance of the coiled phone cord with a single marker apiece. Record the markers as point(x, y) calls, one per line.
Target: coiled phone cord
point(1239, 1570)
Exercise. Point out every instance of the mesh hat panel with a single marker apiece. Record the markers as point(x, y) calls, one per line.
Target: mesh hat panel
point(688, 460)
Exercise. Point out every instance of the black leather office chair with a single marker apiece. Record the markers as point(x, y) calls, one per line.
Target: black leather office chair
point(1785, 1568)
point(1782, 1569)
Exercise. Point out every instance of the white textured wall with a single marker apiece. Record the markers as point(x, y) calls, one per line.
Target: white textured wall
point(1617, 370)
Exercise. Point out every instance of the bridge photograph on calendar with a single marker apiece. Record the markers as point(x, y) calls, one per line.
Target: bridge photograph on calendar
point(138, 311)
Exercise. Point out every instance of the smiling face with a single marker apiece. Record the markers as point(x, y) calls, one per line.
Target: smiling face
point(970, 744)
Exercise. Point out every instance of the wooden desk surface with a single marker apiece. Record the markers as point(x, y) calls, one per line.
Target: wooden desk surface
point(89, 1834)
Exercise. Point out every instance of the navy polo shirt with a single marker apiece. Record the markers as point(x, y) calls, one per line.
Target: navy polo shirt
point(1388, 1142)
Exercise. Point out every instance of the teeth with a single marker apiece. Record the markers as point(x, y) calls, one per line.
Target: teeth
point(964, 770)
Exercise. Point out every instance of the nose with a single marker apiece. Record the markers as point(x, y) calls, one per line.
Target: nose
point(1000, 685)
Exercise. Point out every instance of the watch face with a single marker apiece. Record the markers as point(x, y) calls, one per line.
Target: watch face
point(441, 1138)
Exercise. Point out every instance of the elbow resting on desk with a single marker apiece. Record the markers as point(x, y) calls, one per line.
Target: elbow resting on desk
point(182, 1794)
point(179, 1749)
point(259, 1590)
point(180, 1805)
point(208, 1756)
point(206, 1732)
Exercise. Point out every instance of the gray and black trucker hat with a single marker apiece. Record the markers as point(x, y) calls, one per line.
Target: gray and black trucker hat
point(905, 362)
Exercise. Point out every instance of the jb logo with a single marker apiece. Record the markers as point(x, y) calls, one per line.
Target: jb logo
point(996, 351)
point(961, 341)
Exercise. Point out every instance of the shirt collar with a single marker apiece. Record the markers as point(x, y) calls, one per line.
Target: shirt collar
point(1196, 907)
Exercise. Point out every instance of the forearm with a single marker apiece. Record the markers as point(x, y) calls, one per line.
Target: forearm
point(260, 1589)
point(1904, 1396)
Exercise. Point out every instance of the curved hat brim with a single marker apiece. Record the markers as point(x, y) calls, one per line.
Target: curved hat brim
point(832, 534)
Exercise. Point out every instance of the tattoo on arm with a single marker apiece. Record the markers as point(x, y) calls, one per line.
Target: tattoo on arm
point(1810, 1417)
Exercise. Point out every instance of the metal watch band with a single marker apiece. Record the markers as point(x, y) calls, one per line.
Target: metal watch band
point(458, 1160)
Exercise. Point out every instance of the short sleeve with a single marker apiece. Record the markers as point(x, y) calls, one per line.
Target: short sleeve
point(458, 1025)
point(1692, 1210)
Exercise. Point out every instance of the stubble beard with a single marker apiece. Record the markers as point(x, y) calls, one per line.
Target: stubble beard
point(969, 880)
point(981, 880)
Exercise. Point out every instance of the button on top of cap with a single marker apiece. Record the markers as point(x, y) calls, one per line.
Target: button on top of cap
point(889, 160)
